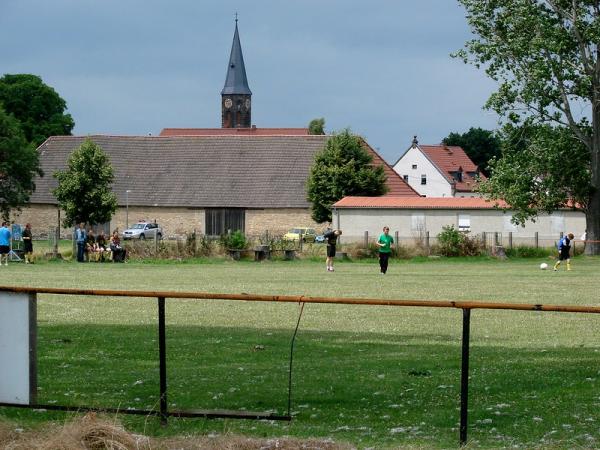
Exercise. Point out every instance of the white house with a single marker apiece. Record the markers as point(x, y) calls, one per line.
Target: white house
point(413, 217)
point(438, 170)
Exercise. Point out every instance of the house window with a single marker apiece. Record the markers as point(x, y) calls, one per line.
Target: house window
point(464, 222)
point(405, 178)
point(423, 179)
point(458, 176)
point(220, 221)
point(414, 166)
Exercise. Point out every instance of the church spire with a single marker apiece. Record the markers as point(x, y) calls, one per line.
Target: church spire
point(236, 81)
point(236, 95)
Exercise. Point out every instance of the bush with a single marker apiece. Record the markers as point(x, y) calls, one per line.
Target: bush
point(452, 242)
point(234, 241)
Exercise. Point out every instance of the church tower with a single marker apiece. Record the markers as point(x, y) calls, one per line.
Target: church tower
point(236, 104)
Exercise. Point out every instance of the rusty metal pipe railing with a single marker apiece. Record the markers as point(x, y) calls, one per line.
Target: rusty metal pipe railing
point(307, 299)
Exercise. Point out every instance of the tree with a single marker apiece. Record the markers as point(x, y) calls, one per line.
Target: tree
point(545, 56)
point(342, 168)
point(19, 164)
point(479, 144)
point(38, 107)
point(541, 167)
point(317, 126)
point(84, 189)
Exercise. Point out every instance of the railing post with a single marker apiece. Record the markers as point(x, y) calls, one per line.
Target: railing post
point(484, 239)
point(537, 239)
point(397, 243)
point(162, 355)
point(366, 240)
point(464, 377)
point(427, 244)
point(510, 244)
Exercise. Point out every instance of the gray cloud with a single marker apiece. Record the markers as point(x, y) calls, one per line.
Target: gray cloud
point(136, 66)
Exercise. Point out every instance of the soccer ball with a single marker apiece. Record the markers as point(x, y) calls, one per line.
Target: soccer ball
point(543, 266)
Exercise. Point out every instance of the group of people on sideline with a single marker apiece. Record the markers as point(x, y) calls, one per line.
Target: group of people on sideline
point(97, 248)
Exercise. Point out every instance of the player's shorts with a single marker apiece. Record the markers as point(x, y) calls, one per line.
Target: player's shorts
point(330, 251)
point(564, 254)
point(4, 249)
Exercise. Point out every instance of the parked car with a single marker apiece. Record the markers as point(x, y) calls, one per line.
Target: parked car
point(319, 239)
point(143, 230)
point(308, 234)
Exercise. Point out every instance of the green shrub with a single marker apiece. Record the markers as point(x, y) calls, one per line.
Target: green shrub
point(234, 241)
point(452, 242)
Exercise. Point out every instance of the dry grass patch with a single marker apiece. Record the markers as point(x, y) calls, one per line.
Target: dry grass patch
point(93, 432)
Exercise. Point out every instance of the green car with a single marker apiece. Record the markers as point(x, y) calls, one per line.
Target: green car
point(308, 234)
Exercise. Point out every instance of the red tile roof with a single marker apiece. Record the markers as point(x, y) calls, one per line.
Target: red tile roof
point(395, 183)
point(234, 131)
point(390, 201)
point(449, 159)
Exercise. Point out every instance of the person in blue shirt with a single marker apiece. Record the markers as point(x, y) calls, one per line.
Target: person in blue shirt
point(4, 243)
point(80, 238)
point(564, 251)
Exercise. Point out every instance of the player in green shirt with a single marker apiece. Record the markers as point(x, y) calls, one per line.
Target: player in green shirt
point(385, 242)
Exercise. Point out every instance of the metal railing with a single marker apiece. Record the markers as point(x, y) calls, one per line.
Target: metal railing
point(161, 296)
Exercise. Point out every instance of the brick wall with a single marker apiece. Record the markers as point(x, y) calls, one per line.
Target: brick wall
point(174, 221)
point(278, 221)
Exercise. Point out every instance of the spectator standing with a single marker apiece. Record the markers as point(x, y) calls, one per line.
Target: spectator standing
point(4, 243)
point(384, 242)
point(28, 244)
point(331, 236)
point(80, 238)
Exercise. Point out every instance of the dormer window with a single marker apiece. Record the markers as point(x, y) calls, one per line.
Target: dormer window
point(414, 166)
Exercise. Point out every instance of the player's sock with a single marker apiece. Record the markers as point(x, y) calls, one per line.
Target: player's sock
point(568, 266)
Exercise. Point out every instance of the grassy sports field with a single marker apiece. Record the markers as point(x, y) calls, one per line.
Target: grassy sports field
point(378, 377)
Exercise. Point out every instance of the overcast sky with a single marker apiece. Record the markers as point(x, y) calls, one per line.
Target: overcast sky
point(133, 67)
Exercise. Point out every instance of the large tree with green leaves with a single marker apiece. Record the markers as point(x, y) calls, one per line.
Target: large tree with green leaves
point(84, 188)
point(19, 164)
point(545, 55)
point(479, 144)
point(37, 106)
point(541, 166)
point(316, 126)
point(342, 168)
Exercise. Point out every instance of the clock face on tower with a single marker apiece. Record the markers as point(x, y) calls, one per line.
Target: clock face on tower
point(247, 103)
point(228, 103)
